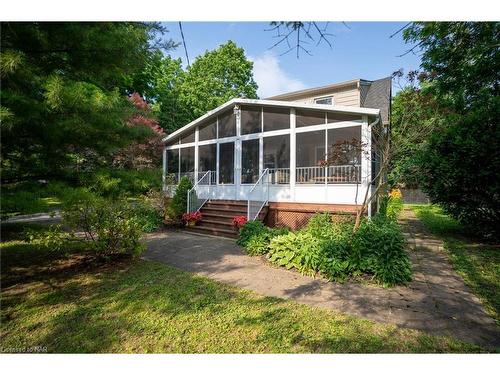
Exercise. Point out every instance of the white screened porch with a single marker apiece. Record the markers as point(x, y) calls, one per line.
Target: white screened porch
point(284, 145)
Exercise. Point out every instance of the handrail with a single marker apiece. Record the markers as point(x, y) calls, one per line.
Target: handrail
point(264, 195)
point(191, 198)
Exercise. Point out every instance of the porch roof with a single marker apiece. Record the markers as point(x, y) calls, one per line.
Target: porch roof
point(273, 103)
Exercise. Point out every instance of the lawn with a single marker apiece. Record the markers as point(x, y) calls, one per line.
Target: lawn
point(73, 302)
point(477, 263)
point(30, 197)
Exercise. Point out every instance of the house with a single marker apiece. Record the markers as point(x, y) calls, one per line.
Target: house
point(270, 158)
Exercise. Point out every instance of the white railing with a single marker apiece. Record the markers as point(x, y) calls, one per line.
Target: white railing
point(213, 178)
point(310, 175)
point(279, 176)
point(258, 196)
point(344, 174)
point(200, 192)
point(333, 174)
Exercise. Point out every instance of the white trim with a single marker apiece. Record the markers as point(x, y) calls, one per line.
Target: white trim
point(196, 152)
point(274, 103)
point(324, 97)
point(293, 153)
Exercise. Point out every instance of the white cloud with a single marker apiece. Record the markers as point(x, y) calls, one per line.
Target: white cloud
point(271, 78)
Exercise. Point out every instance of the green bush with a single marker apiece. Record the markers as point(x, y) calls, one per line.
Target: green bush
point(110, 226)
point(333, 249)
point(249, 230)
point(117, 182)
point(255, 237)
point(378, 249)
point(299, 250)
point(53, 238)
point(179, 201)
point(320, 225)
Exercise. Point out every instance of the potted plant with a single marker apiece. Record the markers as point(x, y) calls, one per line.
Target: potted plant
point(239, 221)
point(191, 218)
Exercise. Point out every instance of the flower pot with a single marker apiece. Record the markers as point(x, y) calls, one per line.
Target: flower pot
point(191, 223)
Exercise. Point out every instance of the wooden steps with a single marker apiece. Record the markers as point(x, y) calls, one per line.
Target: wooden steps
point(218, 215)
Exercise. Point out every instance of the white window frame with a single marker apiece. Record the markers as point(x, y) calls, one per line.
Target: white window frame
point(324, 97)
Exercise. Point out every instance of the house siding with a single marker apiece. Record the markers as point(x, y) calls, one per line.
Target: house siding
point(347, 97)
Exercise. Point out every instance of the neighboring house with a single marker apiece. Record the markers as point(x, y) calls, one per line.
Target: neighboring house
point(265, 158)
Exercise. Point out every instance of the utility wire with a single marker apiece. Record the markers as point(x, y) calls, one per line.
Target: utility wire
point(184, 43)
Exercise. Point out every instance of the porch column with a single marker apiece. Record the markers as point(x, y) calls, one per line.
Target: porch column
point(237, 153)
point(293, 154)
point(366, 162)
point(195, 155)
point(164, 168)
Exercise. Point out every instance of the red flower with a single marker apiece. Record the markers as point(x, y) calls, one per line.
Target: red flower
point(192, 216)
point(239, 221)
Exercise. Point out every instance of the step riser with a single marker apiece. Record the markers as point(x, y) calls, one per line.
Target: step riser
point(233, 212)
point(224, 207)
point(212, 231)
point(204, 224)
point(226, 220)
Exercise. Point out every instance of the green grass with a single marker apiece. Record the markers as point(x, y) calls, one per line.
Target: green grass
point(31, 197)
point(73, 303)
point(477, 263)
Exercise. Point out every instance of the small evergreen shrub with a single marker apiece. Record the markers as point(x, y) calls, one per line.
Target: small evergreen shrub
point(179, 201)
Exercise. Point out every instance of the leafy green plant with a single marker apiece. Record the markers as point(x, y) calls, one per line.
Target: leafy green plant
point(296, 250)
point(110, 226)
point(179, 201)
point(53, 239)
point(320, 225)
point(378, 248)
point(249, 230)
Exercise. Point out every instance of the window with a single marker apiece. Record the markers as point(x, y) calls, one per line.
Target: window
point(227, 124)
point(208, 131)
point(308, 118)
point(344, 145)
point(277, 158)
point(187, 159)
point(276, 118)
point(207, 158)
point(277, 151)
point(188, 138)
point(337, 117)
point(310, 157)
point(251, 120)
point(226, 163)
point(173, 164)
point(326, 100)
point(249, 161)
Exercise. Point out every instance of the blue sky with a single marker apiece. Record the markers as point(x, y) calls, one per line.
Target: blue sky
point(361, 50)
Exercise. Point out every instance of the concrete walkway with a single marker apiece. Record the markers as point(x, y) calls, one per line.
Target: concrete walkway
point(436, 301)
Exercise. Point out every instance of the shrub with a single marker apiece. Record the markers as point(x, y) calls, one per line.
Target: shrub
point(378, 249)
point(333, 250)
point(110, 226)
point(53, 239)
point(320, 225)
point(298, 250)
point(147, 216)
point(250, 229)
point(258, 244)
point(179, 201)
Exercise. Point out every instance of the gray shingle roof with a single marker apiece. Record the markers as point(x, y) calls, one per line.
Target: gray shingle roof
point(379, 96)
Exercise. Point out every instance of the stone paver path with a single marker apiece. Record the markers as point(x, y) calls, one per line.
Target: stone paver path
point(436, 301)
